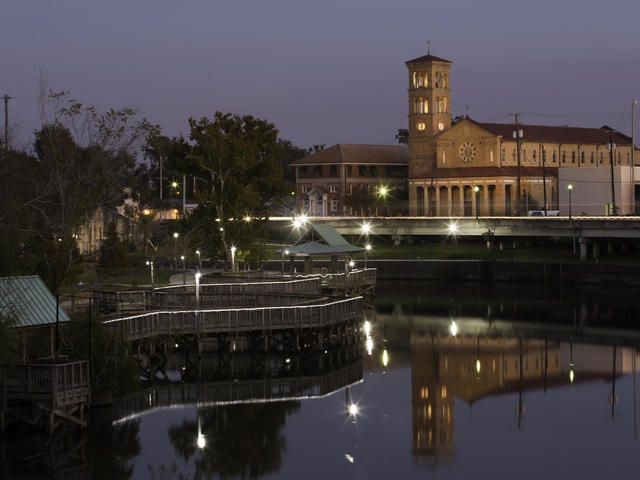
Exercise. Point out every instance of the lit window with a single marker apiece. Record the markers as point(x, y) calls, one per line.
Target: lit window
point(429, 412)
point(416, 105)
point(425, 105)
point(444, 391)
point(415, 79)
point(421, 126)
point(424, 392)
point(333, 188)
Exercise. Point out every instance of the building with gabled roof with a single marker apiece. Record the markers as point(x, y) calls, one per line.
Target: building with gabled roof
point(345, 179)
point(30, 305)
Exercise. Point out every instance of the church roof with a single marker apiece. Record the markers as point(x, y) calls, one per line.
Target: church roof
point(428, 58)
point(562, 134)
point(355, 154)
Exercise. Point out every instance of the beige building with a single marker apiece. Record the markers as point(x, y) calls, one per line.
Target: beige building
point(348, 179)
point(456, 168)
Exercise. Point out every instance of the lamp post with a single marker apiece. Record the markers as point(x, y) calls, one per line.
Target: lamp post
point(150, 265)
point(184, 272)
point(612, 146)
point(175, 248)
point(476, 189)
point(383, 191)
point(570, 188)
point(233, 258)
point(199, 259)
point(367, 249)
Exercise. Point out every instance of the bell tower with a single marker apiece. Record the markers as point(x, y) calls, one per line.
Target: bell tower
point(429, 109)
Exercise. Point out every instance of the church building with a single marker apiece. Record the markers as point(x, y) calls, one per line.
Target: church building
point(498, 169)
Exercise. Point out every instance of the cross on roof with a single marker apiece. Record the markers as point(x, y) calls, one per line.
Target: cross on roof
point(428, 47)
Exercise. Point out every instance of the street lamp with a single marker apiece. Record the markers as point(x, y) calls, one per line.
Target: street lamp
point(383, 191)
point(476, 189)
point(233, 258)
point(175, 248)
point(150, 265)
point(184, 273)
point(570, 188)
point(199, 259)
point(367, 249)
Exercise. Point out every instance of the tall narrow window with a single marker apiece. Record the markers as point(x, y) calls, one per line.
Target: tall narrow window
point(437, 79)
point(581, 157)
point(553, 159)
point(416, 105)
point(415, 79)
point(444, 80)
point(573, 157)
point(420, 105)
point(564, 157)
point(591, 157)
point(425, 106)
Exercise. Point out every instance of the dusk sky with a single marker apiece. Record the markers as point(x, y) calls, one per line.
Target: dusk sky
point(324, 72)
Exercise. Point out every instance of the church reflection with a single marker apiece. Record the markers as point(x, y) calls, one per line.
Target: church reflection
point(473, 367)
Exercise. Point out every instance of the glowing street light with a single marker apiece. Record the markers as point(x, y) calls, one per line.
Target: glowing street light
point(571, 373)
point(233, 258)
point(367, 249)
point(367, 328)
point(150, 265)
point(453, 228)
point(175, 248)
point(453, 328)
point(199, 258)
point(184, 271)
point(383, 191)
point(385, 357)
point(247, 219)
point(353, 409)
point(365, 229)
point(570, 188)
point(352, 264)
point(476, 189)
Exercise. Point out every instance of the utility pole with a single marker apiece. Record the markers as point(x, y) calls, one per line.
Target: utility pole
point(612, 147)
point(517, 134)
point(632, 188)
point(543, 155)
point(6, 99)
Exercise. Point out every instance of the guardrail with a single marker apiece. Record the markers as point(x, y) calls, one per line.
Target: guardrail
point(175, 322)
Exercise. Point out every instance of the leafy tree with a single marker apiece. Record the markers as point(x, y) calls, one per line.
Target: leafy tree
point(238, 156)
point(112, 252)
point(289, 153)
point(403, 136)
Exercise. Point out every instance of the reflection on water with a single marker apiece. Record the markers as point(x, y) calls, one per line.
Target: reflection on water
point(446, 382)
point(472, 368)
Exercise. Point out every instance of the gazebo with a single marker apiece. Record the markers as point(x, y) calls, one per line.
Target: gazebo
point(28, 303)
point(319, 241)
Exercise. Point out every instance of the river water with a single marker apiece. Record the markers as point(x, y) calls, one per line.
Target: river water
point(452, 380)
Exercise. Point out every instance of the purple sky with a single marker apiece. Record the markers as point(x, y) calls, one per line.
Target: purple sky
point(324, 71)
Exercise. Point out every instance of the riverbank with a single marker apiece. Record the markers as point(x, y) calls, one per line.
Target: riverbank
point(513, 270)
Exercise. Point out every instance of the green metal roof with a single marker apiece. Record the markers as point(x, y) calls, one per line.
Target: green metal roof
point(29, 300)
point(330, 235)
point(317, 248)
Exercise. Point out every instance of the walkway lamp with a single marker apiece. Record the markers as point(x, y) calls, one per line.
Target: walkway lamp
point(184, 272)
point(476, 189)
point(150, 265)
point(367, 249)
point(199, 258)
point(175, 248)
point(233, 258)
point(570, 188)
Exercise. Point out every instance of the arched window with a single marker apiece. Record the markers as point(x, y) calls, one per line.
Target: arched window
point(437, 79)
point(564, 157)
point(553, 158)
point(591, 157)
point(416, 105)
point(415, 79)
point(573, 157)
point(445, 107)
point(426, 79)
point(425, 105)
point(444, 80)
point(581, 157)
point(601, 158)
point(533, 154)
point(420, 79)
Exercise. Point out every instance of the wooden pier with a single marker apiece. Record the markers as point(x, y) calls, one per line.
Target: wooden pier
point(207, 394)
point(203, 321)
point(48, 393)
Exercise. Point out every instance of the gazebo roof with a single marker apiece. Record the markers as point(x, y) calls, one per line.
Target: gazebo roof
point(28, 300)
point(330, 243)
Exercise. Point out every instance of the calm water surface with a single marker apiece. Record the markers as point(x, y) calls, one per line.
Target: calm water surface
point(537, 382)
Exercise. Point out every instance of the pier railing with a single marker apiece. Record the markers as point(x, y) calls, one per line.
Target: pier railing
point(175, 322)
point(255, 293)
point(61, 383)
point(206, 394)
